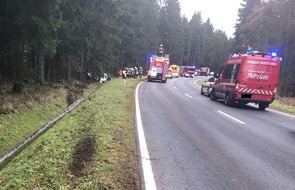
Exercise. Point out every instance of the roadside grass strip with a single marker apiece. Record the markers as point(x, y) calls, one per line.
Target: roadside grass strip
point(93, 147)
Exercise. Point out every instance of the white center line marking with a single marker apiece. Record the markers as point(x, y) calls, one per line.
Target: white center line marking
point(189, 96)
point(175, 88)
point(231, 117)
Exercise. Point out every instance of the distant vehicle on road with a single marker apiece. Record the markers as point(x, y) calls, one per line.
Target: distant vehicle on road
point(175, 70)
point(187, 71)
point(169, 74)
point(205, 71)
point(207, 86)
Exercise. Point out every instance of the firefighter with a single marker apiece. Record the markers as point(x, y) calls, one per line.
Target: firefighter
point(120, 72)
point(160, 52)
point(135, 72)
point(89, 75)
point(124, 73)
point(140, 71)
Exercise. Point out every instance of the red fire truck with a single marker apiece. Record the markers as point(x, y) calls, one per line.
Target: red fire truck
point(158, 66)
point(205, 71)
point(251, 77)
point(187, 71)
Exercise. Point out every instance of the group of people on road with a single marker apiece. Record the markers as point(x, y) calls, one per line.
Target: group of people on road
point(132, 72)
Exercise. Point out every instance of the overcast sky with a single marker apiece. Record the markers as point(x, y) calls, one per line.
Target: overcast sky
point(222, 13)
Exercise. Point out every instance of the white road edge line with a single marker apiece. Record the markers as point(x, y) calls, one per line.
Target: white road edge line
point(286, 114)
point(272, 110)
point(189, 96)
point(148, 174)
point(231, 117)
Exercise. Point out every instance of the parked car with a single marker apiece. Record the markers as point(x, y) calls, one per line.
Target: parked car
point(207, 86)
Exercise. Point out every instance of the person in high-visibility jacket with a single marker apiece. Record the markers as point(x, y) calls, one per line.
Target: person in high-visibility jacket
point(124, 72)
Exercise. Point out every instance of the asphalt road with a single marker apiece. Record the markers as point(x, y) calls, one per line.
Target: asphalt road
point(195, 143)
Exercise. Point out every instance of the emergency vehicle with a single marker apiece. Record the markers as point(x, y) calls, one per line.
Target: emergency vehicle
point(158, 66)
point(197, 72)
point(207, 86)
point(187, 71)
point(175, 70)
point(205, 71)
point(245, 78)
point(169, 74)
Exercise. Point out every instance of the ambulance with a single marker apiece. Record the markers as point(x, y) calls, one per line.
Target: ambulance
point(175, 70)
point(251, 77)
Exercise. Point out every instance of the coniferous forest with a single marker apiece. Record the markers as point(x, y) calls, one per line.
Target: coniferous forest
point(52, 40)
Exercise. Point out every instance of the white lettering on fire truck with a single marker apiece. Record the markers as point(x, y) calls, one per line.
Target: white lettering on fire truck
point(255, 62)
point(234, 61)
point(259, 75)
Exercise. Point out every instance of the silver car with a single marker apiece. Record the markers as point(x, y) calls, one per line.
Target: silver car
point(207, 86)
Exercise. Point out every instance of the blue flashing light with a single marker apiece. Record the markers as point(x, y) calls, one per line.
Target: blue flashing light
point(234, 55)
point(249, 52)
point(273, 54)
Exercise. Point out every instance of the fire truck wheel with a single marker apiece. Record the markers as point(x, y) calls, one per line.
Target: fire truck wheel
point(208, 92)
point(212, 96)
point(262, 106)
point(202, 93)
point(228, 101)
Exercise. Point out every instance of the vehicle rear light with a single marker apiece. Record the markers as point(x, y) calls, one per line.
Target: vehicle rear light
point(237, 87)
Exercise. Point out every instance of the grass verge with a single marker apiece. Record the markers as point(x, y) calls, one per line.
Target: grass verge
point(286, 105)
point(22, 121)
point(93, 147)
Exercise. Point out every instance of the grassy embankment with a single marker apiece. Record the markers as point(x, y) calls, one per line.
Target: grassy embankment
point(286, 105)
point(93, 147)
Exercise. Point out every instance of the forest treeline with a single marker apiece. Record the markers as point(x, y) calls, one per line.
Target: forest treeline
point(51, 40)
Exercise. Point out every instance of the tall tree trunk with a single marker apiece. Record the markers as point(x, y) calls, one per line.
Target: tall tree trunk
point(53, 69)
point(287, 63)
point(189, 50)
point(69, 77)
point(40, 60)
point(82, 73)
point(1, 74)
point(266, 39)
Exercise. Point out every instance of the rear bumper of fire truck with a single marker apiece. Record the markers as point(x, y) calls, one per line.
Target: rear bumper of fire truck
point(159, 76)
point(253, 98)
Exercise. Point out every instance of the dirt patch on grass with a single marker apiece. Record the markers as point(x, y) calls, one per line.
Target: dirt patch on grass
point(75, 91)
point(131, 174)
point(83, 157)
point(286, 101)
